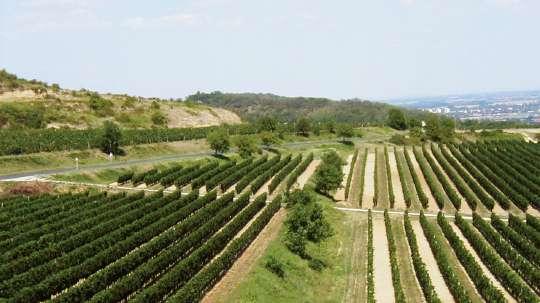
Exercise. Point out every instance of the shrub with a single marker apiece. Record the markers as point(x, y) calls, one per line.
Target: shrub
point(275, 266)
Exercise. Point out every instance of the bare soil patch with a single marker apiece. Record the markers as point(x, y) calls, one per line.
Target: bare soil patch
point(399, 200)
point(369, 180)
point(200, 117)
point(382, 273)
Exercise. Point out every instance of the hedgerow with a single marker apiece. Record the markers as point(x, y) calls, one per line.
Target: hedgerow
point(521, 244)
point(459, 293)
point(194, 290)
point(523, 267)
point(391, 197)
point(399, 296)
point(293, 177)
point(508, 278)
point(489, 292)
point(404, 186)
point(277, 179)
point(445, 183)
point(419, 266)
point(370, 281)
point(351, 171)
point(486, 184)
point(416, 180)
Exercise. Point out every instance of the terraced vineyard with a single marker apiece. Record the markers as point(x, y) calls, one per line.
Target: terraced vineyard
point(162, 246)
point(471, 223)
point(431, 223)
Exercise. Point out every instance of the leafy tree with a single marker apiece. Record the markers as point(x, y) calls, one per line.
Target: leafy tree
point(330, 126)
point(268, 138)
point(303, 126)
point(328, 178)
point(433, 128)
point(345, 131)
point(305, 222)
point(448, 126)
point(102, 107)
point(267, 123)
point(219, 141)
point(246, 146)
point(333, 158)
point(110, 140)
point(396, 119)
point(158, 118)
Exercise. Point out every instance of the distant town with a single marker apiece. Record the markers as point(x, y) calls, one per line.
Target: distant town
point(504, 106)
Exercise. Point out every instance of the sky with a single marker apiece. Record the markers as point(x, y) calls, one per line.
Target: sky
point(371, 49)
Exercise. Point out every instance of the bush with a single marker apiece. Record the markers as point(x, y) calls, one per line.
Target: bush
point(275, 266)
point(316, 264)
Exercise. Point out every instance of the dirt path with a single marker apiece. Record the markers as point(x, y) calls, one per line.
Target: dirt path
point(409, 282)
point(340, 193)
point(304, 177)
point(464, 207)
point(357, 280)
point(247, 261)
point(399, 200)
point(486, 271)
point(431, 264)
point(382, 273)
point(383, 200)
point(432, 205)
point(369, 181)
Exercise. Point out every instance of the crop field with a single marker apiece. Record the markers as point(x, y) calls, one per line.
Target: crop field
point(142, 247)
point(430, 223)
point(448, 223)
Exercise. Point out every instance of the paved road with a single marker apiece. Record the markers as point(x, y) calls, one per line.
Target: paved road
point(117, 164)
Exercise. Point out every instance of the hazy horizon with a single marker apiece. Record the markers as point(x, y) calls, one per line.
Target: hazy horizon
point(375, 50)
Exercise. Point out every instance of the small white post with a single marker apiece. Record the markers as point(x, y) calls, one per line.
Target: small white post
point(77, 163)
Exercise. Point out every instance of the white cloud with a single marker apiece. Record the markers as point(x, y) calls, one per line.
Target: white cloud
point(167, 21)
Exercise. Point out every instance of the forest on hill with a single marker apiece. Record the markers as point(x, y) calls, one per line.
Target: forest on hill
point(250, 107)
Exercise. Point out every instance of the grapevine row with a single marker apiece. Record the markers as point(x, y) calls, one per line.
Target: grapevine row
point(508, 278)
point(394, 266)
point(487, 290)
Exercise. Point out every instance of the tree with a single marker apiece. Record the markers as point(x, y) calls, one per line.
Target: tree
point(267, 123)
point(246, 146)
point(396, 119)
point(303, 126)
point(268, 138)
point(328, 178)
point(433, 128)
point(330, 126)
point(110, 140)
point(345, 131)
point(448, 126)
point(219, 141)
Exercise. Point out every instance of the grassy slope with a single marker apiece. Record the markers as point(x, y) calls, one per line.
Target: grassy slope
point(301, 284)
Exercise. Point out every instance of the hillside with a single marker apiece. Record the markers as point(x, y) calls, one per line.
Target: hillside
point(35, 104)
point(251, 106)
